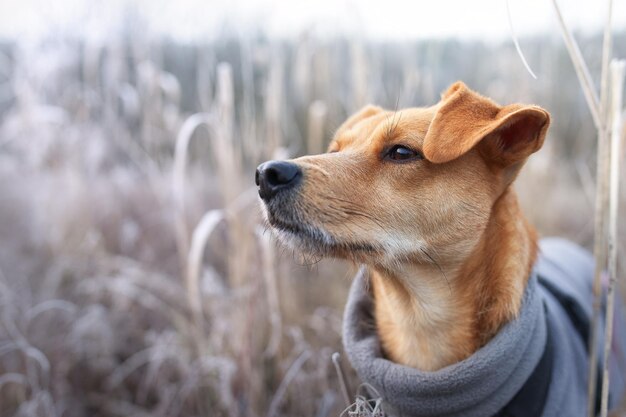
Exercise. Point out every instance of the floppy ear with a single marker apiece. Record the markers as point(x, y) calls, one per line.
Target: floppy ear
point(362, 114)
point(507, 135)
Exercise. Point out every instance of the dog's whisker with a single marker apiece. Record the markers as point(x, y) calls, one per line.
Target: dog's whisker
point(398, 121)
point(353, 209)
point(425, 252)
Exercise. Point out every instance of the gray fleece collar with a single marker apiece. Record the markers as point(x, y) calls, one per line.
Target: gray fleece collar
point(479, 386)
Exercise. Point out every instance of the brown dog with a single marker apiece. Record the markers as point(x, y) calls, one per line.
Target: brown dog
point(422, 197)
point(458, 311)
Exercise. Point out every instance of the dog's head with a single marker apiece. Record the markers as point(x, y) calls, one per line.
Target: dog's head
point(402, 185)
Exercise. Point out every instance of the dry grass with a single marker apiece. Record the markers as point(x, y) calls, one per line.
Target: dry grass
point(135, 275)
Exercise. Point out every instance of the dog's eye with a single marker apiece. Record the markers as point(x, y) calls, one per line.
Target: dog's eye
point(402, 153)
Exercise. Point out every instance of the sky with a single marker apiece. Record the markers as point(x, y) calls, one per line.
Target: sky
point(373, 19)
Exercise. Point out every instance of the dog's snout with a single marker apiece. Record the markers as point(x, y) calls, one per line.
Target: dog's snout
point(274, 176)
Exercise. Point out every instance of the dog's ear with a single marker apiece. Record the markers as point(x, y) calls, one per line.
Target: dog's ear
point(363, 113)
point(507, 135)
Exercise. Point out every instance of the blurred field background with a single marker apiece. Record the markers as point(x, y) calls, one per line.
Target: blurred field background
point(136, 277)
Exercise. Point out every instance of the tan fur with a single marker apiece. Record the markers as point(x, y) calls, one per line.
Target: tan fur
point(448, 249)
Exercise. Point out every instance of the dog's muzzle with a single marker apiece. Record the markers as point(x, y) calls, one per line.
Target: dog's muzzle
point(273, 177)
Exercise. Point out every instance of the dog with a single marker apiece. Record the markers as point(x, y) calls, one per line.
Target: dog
point(458, 309)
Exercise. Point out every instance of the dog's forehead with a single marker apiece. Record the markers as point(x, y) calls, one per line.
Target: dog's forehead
point(410, 124)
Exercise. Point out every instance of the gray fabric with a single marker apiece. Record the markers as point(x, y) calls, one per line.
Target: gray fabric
point(484, 383)
point(570, 268)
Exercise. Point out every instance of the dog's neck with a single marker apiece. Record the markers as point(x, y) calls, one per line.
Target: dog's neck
point(431, 316)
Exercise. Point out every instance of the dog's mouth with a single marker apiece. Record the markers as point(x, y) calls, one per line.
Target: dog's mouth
point(300, 223)
point(295, 232)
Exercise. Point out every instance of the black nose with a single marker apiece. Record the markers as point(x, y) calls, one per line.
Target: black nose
point(273, 176)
